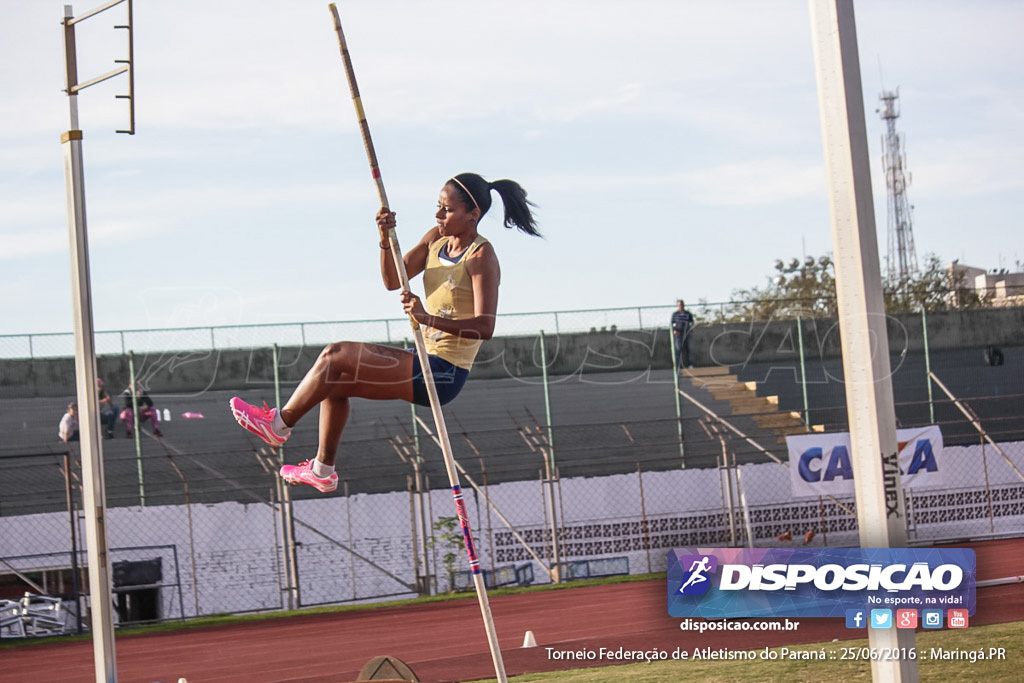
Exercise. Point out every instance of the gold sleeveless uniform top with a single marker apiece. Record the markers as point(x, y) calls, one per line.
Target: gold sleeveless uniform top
point(449, 294)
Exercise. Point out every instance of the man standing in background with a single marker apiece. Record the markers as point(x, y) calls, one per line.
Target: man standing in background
point(682, 323)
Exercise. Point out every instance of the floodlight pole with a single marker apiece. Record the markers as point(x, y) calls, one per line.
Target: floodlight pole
point(93, 482)
point(881, 513)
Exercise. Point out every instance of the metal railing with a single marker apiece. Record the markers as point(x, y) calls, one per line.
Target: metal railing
point(390, 330)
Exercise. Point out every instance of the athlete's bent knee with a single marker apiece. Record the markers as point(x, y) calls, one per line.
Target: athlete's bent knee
point(336, 359)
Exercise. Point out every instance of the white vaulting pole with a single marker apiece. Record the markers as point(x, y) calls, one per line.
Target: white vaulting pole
point(881, 514)
point(428, 376)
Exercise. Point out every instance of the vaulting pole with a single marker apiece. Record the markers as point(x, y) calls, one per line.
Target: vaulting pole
point(428, 375)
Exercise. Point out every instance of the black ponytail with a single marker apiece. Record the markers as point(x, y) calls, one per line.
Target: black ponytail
point(476, 192)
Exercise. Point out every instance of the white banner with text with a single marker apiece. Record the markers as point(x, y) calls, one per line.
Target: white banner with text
point(820, 464)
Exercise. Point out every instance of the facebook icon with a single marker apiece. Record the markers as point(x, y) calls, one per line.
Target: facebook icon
point(855, 618)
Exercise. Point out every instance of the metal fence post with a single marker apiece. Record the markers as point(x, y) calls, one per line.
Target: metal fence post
point(191, 551)
point(927, 366)
point(133, 392)
point(74, 542)
point(679, 407)
point(988, 489)
point(352, 542)
point(490, 527)
point(426, 517)
point(803, 370)
point(643, 516)
point(421, 493)
point(547, 400)
point(275, 500)
point(287, 512)
point(549, 461)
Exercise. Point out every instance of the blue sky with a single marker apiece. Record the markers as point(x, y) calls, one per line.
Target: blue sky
point(673, 149)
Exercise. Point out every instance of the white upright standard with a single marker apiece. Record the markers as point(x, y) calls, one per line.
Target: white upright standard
point(881, 514)
point(94, 496)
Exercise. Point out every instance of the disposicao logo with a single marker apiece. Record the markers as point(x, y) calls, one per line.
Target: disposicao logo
point(829, 582)
point(696, 581)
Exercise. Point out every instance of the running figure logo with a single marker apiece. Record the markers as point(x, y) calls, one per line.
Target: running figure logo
point(696, 580)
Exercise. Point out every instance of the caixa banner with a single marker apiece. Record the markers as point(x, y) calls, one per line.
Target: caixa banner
point(820, 464)
point(816, 582)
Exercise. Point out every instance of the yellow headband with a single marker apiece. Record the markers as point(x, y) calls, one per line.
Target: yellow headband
point(459, 183)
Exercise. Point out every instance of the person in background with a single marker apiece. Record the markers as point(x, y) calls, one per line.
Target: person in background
point(146, 411)
point(682, 324)
point(68, 429)
point(108, 413)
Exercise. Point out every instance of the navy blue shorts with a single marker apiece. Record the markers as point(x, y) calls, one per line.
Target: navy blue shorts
point(448, 379)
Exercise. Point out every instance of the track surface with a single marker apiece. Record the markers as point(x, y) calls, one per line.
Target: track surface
point(446, 641)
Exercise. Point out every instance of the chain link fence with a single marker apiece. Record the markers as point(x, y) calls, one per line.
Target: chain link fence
point(391, 331)
point(590, 473)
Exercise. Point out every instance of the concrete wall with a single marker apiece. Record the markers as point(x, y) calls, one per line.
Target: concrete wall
point(713, 344)
point(228, 558)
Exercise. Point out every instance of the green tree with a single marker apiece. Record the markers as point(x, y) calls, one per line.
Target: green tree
point(936, 288)
point(808, 289)
point(448, 537)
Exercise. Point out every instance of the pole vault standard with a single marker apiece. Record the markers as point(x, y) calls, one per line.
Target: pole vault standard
point(881, 510)
point(428, 375)
point(94, 493)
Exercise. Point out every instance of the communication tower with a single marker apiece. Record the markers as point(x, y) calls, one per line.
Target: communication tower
point(901, 259)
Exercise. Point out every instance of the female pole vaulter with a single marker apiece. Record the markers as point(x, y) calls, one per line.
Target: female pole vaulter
point(460, 278)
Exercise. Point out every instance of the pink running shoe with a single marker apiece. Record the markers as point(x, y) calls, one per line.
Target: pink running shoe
point(303, 474)
point(259, 421)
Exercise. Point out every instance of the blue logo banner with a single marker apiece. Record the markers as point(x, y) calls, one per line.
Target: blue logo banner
point(818, 582)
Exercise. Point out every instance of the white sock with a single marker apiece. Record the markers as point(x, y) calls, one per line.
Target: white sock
point(321, 470)
point(279, 426)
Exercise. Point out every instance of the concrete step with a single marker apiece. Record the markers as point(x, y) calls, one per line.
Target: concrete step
point(779, 420)
point(725, 393)
point(710, 371)
point(752, 386)
point(714, 381)
point(750, 406)
point(790, 431)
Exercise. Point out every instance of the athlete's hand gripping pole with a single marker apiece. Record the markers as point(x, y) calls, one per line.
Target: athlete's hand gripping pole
point(428, 375)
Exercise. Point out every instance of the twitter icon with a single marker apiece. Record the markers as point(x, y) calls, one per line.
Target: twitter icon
point(881, 618)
